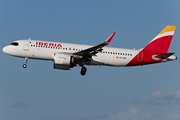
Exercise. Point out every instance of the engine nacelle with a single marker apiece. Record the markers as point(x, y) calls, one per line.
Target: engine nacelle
point(63, 61)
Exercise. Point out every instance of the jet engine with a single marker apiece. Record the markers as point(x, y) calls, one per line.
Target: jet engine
point(63, 61)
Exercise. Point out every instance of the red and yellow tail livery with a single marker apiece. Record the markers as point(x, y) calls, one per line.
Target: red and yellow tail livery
point(157, 47)
point(161, 43)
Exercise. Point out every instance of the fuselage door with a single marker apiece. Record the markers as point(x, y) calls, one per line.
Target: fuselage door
point(140, 56)
point(26, 45)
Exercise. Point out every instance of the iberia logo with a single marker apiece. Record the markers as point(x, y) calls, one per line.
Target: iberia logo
point(48, 44)
point(62, 57)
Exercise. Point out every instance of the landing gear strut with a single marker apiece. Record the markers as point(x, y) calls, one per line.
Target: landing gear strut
point(83, 70)
point(24, 65)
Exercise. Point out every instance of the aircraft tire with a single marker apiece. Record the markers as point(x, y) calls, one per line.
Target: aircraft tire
point(83, 71)
point(24, 65)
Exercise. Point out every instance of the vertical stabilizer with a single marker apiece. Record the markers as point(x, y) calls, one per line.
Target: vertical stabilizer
point(161, 43)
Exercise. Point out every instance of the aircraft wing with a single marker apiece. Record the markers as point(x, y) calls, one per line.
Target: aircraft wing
point(88, 53)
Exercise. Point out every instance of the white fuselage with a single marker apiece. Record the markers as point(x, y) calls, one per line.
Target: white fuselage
point(44, 50)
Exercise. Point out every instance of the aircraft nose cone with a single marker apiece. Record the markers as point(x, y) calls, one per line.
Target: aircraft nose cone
point(6, 49)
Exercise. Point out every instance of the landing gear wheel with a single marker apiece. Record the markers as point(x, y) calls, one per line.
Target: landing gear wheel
point(83, 70)
point(24, 65)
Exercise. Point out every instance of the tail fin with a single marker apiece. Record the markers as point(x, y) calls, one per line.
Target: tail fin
point(162, 41)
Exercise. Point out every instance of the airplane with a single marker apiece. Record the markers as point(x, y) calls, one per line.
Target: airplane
point(66, 55)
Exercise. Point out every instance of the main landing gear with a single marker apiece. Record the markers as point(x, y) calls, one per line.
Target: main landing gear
point(24, 65)
point(83, 70)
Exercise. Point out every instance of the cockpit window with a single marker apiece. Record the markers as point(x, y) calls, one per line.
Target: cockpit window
point(15, 44)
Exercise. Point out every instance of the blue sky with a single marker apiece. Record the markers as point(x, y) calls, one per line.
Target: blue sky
point(40, 92)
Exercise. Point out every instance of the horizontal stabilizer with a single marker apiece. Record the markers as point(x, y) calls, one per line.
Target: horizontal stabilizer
point(163, 56)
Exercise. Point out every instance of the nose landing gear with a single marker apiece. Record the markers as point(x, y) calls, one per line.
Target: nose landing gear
point(83, 70)
point(24, 65)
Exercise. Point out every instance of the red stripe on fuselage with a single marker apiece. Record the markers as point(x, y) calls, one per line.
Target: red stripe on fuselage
point(143, 58)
